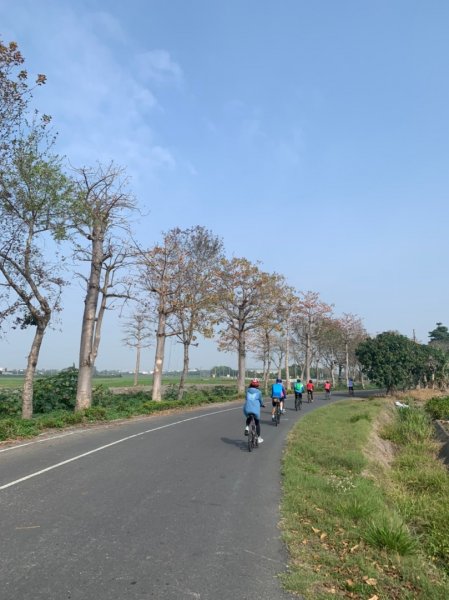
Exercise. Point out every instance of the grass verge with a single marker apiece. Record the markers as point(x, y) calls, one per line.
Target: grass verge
point(359, 523)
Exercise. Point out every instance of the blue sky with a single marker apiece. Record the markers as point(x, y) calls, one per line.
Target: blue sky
point(312, 136)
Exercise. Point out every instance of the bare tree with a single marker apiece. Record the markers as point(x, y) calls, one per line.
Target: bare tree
point(311, 312)
point(288, 309)
point(262, 341)
point(243, 291)
point(278, 353)
point(353, 333)
point(103, 207)
point(137, 335)
point(162, 276)
point(195, 306)
point(330, 344)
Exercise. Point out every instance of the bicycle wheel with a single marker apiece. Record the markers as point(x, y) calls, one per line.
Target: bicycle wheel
point(250, 436)
point(278, 415)
point(296, 403)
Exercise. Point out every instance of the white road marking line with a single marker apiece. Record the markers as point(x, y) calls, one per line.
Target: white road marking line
point(78, 431)
point(53, 437)
point(129, 437)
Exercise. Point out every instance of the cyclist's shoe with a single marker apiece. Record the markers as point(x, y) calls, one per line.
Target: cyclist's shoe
point(246, 430)
point(273, 417)
point(283, 410)
point(260, 440)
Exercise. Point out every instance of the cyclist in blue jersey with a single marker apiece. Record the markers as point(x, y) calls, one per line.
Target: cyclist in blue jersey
point(252, 405)
point(278, 394)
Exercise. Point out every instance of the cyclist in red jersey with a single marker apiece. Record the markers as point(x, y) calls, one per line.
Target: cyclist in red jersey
point(310, 387)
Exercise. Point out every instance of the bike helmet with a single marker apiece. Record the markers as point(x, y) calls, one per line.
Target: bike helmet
point(278, 380)
point(254, 383)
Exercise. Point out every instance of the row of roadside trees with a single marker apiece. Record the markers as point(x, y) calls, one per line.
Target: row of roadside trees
point(58, 223)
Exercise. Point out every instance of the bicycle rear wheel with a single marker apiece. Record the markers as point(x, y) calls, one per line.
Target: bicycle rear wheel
point(253, 439)
point(250, 440)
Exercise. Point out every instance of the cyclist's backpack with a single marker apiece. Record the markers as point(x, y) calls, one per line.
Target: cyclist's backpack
point(277, 390)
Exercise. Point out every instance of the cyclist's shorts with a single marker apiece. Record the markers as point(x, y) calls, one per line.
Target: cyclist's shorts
point(275, 401)
point(298, 394)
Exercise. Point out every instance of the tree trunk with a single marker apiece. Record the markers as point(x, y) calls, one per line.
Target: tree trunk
point(185, 370)
point(159, 358)
point(264, 373)
point(307, 356)
point(241, 363)
point(347, 362)
point(86, 358)
point(99, 321)
point(340, 369)
point(137, 368)
point(27, 394)
point(287, 370)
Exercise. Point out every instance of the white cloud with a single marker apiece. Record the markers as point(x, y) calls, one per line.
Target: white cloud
point(157, 65)
point(99, 92)
point(162, 157)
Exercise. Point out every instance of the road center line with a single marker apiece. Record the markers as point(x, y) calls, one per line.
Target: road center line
point(129, 437)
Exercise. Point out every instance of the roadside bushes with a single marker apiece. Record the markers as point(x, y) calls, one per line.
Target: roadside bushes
point(57, 392)
point(10, 402)
point(55, 402)
point(438, 408)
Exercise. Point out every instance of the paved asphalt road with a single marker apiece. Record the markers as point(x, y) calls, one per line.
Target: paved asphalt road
point(170, 507)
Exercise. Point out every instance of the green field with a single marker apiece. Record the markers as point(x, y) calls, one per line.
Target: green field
point(13, 381)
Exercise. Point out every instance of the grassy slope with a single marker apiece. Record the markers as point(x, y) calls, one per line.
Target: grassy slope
point(356, 528)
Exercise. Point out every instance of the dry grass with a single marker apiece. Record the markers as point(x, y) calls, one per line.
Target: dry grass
point(420, 396)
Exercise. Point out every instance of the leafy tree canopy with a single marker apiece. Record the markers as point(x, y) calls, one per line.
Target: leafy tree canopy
point(439, 336)
point(388, 360)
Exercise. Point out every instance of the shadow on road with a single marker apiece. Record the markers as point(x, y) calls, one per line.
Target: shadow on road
point(241, 444)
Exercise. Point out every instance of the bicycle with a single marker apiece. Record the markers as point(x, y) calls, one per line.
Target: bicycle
point(309, 396)
point(328, 394)
point(298, 401)
point(277, 414)
point(253, 438)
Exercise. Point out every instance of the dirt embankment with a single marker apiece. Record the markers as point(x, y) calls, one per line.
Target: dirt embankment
point(380, 452)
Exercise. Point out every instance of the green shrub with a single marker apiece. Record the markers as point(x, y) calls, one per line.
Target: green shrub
point(95, 413)
point(54, 421)
point(438, 408)
point(10, 402)
point(57, 392)
point(171, 392)
point(101, 395)
point(13, 428)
